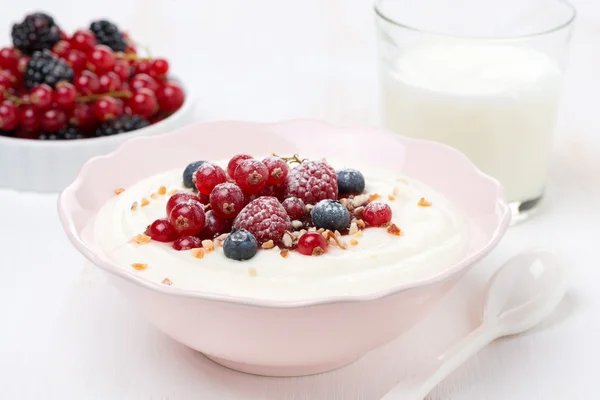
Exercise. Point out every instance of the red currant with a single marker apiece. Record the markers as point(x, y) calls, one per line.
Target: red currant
point(41, 97)
point(130, 49)
point(30, 120)
point(87, 83)
point(215, 226)
point(159, 68)
point(170, 97)
point(207, 176)
point(65, 94)
point(82, 116)
point(142, 66)
point(101, 59)
point(295, 208)
point(161, 230)
point(106, 108)
point(204, 198)
point(235, 161)
point(312, 244)
point(9, 118)
point(143, 81)
point(110, 82)
point(1, 95)
point(9, 57)
point(83, 40)
point(179, 197)
point(53, 120)
point(61, 48)
point(278, 170)
point(143, 103)
point(251, 176)
point(76, 60)
point(188, 218)
point(22, 64)
point(122, 69)
point(377, 214)
point(227, 200)
point(187, 243)
point(7, 79)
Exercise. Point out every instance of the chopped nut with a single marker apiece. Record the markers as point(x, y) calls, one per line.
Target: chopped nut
point(339, 240)
point(391, 198)
point(394, 230)
point(297, 224)
point(373, 197)
point(361, 224)
point(145, 202)
point(172, 192)
point(344, 202)
point(284, 253)
point(360, 200)
point(139, 266)
point(358, 212)
point(424, 203)
point(309, 208)
point(198, 253)
point(167, 282)
point(332, 242)
point(134, 206)
point(353, 228)
point(353, 242)
point(401, 180)
point(141, 238)
point(288, 239)
point(208, 245)
point(312, 229)
point(252, 271)
point(118, 191)
point(373, 256)
point(396, 191)
point(268, 245)
point(301, 232)
point(358, 234)
point(276, 248)
point(162, 190)
point(154, 196)
point(327, 234)
point(222, 237)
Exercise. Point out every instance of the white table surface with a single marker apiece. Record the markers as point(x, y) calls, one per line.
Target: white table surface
point(66, 334)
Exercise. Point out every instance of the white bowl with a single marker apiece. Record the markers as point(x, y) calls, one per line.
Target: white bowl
point(44, 166)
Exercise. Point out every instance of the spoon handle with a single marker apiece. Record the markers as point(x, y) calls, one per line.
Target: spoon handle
point(436, 370)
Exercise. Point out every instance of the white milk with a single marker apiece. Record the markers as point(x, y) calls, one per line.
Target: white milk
point(496, 104)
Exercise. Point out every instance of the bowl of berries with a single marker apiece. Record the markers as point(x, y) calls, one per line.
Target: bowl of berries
point(65, 99)
point(283, 249)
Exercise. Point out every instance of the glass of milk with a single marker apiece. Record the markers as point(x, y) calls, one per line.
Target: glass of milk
point(483, 76)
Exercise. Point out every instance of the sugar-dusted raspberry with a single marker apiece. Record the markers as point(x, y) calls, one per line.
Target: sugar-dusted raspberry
point(312, 181)
point(227, 200)
point(251, 176)
point(265, 218)
point(207, 176)
point(377, 214)
point(235, 161)
point(278, 169)
point(295, 208)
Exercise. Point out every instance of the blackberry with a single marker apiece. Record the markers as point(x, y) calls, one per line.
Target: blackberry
point(37, 32)
point(45, 67)
point(124, 123)
point(108, 34)
point(68, 133)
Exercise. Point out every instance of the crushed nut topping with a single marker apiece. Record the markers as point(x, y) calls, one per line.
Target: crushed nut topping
point(141, 239)
point(252, 271)
point(353, 228)
point(358, 212)
point(309, 208)
point(118, 191)
point(297, 224)
point(284, 253)
point(360, 200)
point(312, 229)
point(373, 197)
point(162, 190)
point(394, 230)
point(391, 198)
point(145, 202)
point(134, 206)
point(396, 191)
point(268, 245)
point(353, 242)
point(361, 224)
point(154, 196)
point(208, 245)
point(198, 253)
point(172, 192)
point(339, 240)
point(288, 239)
point(424, 203)
point(139, 266)
point(167, 282)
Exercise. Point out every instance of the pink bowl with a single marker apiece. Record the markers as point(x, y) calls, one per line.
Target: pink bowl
point(286, 338)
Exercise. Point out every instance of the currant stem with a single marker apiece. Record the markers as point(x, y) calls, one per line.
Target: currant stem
point(116, 94)
point(293, 159)
point(15, 99)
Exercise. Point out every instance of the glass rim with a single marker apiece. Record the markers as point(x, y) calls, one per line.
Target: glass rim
point(573, 14)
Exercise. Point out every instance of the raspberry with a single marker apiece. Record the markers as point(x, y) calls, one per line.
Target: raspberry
point(227, 200)
point(278, 170)
point(251, 176)
point(312, 181)
point(265, 218)
point(377, 214)
point(294, 207)
point(312, 244)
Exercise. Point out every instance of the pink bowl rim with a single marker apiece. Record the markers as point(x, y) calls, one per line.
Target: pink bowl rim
point(503, 222)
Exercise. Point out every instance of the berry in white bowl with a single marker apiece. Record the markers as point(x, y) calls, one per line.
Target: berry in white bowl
point(253, 300)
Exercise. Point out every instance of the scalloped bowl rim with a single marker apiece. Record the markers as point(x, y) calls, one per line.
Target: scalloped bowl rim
point(503, 221)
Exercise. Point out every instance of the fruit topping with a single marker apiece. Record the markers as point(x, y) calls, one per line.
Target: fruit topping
point(278, 169)
point(180, 197)
point(161, 230)
point(68, 133)
point(207, 176)
point(331, 215)
point(312, 181)
point(37, 32)
point(227, 200)
point(377, 214)
point(188, 173)
point(45, 67)
point(235, 161)
point(265, 218)
point(312, 244)
point(215, 226)
point(108, 34)
point(295, 208)
point(124, 123)
point(240, 245)
point(187, 243)
point(350, 181)
point(251, 176)
point(187, 218)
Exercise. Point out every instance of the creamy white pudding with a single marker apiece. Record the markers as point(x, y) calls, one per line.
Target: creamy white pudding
point(433, 238)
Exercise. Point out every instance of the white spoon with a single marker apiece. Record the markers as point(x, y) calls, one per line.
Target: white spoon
point(523, 292)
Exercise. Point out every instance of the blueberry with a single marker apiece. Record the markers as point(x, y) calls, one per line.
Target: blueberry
point(188, 182)
point(330, 214)
point(240, 245)
point(350, 181)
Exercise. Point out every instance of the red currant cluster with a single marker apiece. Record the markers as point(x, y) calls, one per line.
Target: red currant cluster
point(105, 86)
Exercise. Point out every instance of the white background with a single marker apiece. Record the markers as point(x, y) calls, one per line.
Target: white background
point(66, 334)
